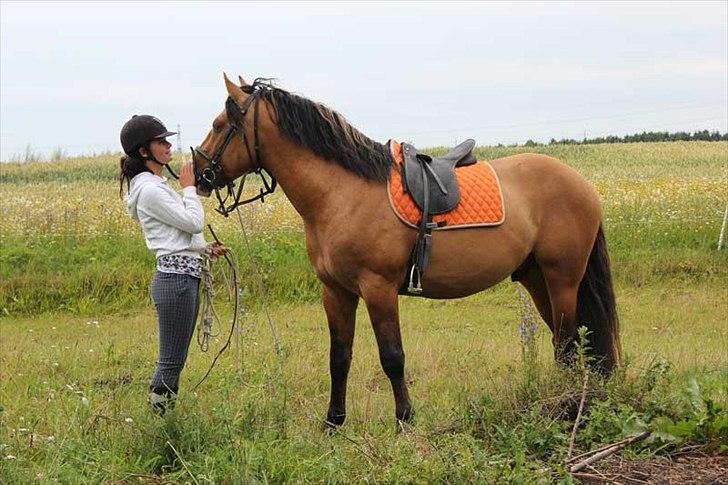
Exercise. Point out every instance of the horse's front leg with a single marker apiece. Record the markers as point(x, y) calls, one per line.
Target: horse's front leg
point(340, 306)
point(382, 304)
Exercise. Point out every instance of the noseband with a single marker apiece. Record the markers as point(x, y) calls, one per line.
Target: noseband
point(212, 176)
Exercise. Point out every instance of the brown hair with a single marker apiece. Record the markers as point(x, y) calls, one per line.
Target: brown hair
point(129, 167)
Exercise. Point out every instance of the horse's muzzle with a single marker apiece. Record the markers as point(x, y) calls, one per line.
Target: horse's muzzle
point(204, 177)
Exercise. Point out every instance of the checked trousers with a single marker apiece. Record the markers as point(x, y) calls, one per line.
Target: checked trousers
point(176, 298)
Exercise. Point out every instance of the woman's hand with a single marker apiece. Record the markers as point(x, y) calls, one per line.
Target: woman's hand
point(216, 249)
point(187, 175)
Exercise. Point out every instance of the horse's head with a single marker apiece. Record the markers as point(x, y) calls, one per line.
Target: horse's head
point(231, 148)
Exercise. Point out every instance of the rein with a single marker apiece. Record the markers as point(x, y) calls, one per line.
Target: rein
point(213, 177)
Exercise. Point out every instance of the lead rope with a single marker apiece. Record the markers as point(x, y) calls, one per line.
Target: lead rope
point(261, 288)
point(204, 332)
point(280, 383)
point(209, 315)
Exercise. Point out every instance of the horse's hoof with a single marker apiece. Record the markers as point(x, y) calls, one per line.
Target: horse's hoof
point(332, 423)
point(405, 418)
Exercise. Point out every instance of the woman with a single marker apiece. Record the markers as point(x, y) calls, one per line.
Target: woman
point(172, 228)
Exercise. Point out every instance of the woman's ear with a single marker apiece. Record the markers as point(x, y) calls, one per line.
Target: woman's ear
point(143, 152)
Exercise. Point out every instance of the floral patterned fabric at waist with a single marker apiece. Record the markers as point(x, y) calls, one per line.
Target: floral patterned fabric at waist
point(180, 264)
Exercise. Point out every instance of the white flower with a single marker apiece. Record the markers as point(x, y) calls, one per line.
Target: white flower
point(128, 420)
point(10, 457)
point(51, 439)
point(84, 401)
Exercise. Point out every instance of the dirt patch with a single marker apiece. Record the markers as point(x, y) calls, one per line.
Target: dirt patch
point(681, 469)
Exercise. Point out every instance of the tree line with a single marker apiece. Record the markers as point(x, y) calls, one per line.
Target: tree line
point(645, 136)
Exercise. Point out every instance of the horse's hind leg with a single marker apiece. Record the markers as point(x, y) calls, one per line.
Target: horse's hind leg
point(563, 287)
point(532, 280)
point(340, 307)
point(381, 300)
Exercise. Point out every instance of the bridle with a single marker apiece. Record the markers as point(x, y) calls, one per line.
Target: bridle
point(212, 176)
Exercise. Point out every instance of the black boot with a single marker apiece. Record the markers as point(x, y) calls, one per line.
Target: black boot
point(161, 399)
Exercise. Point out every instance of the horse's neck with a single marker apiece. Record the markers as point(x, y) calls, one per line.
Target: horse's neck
point(313, 185)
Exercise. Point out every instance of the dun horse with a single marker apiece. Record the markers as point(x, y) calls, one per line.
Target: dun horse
point(551, 240)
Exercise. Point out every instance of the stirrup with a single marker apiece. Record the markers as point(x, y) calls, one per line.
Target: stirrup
point(411, 288)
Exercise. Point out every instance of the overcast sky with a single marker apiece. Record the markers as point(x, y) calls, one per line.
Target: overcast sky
point(433, 73)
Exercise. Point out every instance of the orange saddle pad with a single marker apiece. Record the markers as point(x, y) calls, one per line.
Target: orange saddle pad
point(481, 199)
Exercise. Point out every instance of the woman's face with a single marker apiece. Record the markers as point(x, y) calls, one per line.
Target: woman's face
point(161, 150)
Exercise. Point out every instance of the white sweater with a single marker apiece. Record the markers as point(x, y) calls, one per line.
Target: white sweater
point(171, 224)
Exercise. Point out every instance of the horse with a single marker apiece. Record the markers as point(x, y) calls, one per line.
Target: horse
point(552, 240)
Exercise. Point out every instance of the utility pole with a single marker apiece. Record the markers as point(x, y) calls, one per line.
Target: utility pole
point(179, 138)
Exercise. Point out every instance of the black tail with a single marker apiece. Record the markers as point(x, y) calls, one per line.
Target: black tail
point(596, 307)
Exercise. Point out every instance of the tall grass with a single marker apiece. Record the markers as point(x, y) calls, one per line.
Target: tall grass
point(67, 243)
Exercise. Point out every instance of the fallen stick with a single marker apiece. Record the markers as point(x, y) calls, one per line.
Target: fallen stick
point(610, 449)
point(591, 452)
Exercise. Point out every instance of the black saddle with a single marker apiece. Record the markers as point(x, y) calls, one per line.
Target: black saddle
point(444, 192)
point(432, 184)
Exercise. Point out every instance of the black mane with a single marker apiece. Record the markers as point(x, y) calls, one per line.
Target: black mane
point(326, 133)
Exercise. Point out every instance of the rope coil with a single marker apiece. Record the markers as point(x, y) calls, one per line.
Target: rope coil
point(209, 317)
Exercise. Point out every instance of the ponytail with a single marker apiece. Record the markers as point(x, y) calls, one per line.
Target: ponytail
point(130, 167)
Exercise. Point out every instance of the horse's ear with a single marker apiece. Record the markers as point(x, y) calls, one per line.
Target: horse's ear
point(233, 89)
point(242, 81)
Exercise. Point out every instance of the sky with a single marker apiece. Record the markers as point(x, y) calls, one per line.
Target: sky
point(432, 73)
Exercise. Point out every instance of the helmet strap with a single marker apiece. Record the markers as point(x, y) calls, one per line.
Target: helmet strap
point(154, 159)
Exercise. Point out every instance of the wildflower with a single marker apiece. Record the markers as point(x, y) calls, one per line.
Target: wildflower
point(84, 400)
point(51, 439)
point(10, 457)
point(128, 420)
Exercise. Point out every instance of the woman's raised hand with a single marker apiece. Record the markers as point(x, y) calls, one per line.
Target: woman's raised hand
point(187, 175)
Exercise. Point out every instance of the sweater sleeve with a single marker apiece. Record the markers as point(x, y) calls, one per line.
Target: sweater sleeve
point(189, 216)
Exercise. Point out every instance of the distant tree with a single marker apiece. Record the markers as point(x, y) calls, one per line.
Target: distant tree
point(645, 136)
point(58, 154)
point(30, 155)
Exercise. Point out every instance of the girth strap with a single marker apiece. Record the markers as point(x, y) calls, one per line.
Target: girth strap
point(421, 253)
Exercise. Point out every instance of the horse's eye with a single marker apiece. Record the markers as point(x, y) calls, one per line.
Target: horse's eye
point(217, 127)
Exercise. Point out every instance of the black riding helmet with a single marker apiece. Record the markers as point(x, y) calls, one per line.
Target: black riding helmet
point(139, 131)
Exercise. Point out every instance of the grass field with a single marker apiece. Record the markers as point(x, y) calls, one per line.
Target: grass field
point(78, 343)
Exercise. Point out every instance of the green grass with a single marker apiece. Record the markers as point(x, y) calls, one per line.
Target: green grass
point(77, 324)
point(480, 413)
